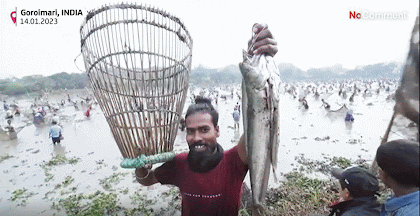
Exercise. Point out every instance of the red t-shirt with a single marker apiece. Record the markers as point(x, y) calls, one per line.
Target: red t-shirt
point(216, 192)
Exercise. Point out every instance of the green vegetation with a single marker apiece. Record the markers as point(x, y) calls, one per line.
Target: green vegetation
point(299, 195)
point(100, 203)
point(141, 202)
point(67, 181)
point(22, 195)
point(56, 160)
point(5, 157)
point(324, 166)
point(340, 162)
point(175, 196)
point(115, 179)
point(28, 84)
point(61, 159)
point(302, 194)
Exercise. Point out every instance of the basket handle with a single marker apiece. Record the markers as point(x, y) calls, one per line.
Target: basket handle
point(140, 161)
point(76, 63)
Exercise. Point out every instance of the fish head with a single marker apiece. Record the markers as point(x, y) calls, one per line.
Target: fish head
point(202, 134)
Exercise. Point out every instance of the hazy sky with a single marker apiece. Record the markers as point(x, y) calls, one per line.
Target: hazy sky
point(310, 34)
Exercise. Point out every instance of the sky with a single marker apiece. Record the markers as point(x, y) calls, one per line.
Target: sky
point(310, 34)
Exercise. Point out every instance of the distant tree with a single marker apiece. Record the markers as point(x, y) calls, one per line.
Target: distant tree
point(14, 88)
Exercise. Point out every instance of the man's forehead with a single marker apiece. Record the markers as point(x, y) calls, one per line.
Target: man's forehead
point(199, 119)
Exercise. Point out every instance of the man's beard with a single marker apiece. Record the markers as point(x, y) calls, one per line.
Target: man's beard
point(201, 162)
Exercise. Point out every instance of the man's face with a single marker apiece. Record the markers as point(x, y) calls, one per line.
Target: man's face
point(382, 176)
point(201, 133)
point(343, 194)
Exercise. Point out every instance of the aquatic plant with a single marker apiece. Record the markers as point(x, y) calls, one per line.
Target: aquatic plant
point(5, 157)
point(61, 159)
point(73, 160)
point(56, 160)
point(68, 181)
point(48, 176)
point(341, 162)
point(125, 191)
point(115, 179)
point(18, 194)
point(100, 203)
point(21, 195)
point(142, 202)
point(324, 166)
point(175, 196)
point(105, 204)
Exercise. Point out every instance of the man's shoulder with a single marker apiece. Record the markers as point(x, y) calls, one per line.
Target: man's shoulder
point(360, 206)
point(405, 205)
point(231, 151)
point(56, 127)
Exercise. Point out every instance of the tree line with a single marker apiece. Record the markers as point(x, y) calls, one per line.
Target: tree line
point(206, 77)
point(34, 83)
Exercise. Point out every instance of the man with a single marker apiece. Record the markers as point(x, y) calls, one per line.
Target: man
point(357, 193)
point(55, 132)
point(305, 103)
point(236, 117)
point(349, 115)
point(398, 162)
point(238, 107)
point(325, 105)
point(87, 113)
point(9, 127)
point(209, 178)
point(9, 114)
point(5, 106)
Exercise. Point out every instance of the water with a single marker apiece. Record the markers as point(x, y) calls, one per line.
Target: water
point(91, 141)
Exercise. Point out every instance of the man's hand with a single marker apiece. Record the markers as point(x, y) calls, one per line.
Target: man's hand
point(264, 42)
point(145, 175)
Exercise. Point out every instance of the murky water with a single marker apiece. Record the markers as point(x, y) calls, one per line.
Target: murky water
point(92, 142)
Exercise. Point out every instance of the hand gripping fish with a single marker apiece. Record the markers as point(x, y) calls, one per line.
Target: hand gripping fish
point(260, 99)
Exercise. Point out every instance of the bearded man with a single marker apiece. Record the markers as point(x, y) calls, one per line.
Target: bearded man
point(209, 178)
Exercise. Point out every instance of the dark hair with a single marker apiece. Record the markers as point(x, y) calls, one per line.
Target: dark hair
point(400, 160)
point(203, 105)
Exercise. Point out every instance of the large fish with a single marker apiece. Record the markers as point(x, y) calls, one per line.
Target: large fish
point(260, 100)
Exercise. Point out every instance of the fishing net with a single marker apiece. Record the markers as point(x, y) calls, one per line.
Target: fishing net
point(138, 60)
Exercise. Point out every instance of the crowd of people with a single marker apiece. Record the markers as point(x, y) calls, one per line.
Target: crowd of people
point(42, 113)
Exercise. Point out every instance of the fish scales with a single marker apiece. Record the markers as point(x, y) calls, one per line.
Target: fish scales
point(260, 101)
